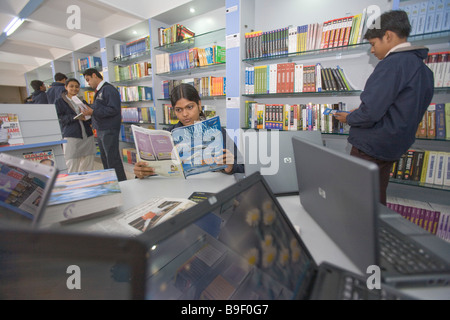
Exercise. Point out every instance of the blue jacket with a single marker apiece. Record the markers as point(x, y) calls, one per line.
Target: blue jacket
point(394, 100)
point(237, 168)
point(55, 92)
point(107, 108)
point(39, 97)
point(70, 128)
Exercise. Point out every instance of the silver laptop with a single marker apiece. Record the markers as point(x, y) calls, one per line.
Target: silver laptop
point(270, 154)
point(239, 244)
point(25, 187)
point(341, 193)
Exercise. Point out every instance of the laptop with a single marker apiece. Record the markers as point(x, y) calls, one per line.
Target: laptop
point(25, 187)
point(265, 152)
point(341, 193)
point(239, 244)
point(50, 265)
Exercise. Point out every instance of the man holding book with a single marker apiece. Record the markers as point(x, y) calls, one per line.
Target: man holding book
point(395, 97)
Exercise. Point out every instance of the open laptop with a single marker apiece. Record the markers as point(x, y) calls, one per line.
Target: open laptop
point(25, 187)
point(49, 265)
point(239, 244)
point(268, 153)
point(341, 193)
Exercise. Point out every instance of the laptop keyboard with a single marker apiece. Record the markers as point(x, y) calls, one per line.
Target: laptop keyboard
point(356, 289)
point(406, 256)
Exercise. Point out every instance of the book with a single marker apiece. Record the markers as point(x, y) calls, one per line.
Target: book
point(82, 195)
point(199, 196)
point(447, 120)
point(440, 121)
point(183, 152)
point(10, 132)
point(45, 156)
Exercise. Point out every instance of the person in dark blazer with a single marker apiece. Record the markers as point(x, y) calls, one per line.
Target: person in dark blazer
point(57, 87)
point(39, 96)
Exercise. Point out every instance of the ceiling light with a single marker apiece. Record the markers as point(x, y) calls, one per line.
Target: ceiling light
point(13, 25)
point(134, 32)
point(192, 10)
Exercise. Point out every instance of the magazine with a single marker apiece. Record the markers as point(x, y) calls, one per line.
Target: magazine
point(185, 151)
point(10, 132)
point(45, 156)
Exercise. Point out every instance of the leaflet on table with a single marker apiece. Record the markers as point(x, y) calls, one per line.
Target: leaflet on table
point(142, 217)
point(198, 147)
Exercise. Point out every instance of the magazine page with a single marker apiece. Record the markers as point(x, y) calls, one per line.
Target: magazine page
point(157, 149)
point(10, 133)
point(46, 157)
point(142, 217)
point(199, 145)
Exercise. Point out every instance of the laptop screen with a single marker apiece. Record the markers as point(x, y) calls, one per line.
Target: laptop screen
point(238, 244)
point(24, 188)
point(340, 193)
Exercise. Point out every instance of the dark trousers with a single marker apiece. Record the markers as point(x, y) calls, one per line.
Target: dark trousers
point(385, 168)
point(108, 142)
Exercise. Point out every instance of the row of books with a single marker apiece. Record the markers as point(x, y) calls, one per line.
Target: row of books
point(131, 48)
point(431, 217)
point(190, 58)
point(89, 62)
point(328, 34)
point(138, 114)
point(174, 33)
point(439, 63)
point(170, 117)
point(301, 117)
point(424, 166)
point(206, 86)
point(132, 72)
point(427, 16)
point(126, 134)
point(135, 93)
point(291, 77)
point(129, 155)
point(435, 123)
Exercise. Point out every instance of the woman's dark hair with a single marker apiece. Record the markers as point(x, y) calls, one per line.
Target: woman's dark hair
point(91, 71)
point(394, 20)
point(72, 80)
point(186, 91)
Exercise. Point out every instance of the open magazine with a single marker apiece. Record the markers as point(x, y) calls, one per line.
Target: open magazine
point(185, 151)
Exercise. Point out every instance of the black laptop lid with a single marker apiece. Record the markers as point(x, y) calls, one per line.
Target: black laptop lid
point(51, 265)
point(238, 244)
point(25, 187)
point(341, 194)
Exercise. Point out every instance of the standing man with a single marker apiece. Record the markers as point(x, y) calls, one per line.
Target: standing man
point(39, 96)
point(57, 87)
point(395, 97)
point(106, 119)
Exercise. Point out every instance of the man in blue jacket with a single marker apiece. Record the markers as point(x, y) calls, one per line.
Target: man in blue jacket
point(57, 87)
point(106, 119)
point(395, 97)
point(39, 96)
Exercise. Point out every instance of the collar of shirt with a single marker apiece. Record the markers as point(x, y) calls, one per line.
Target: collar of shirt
point(401, 45)
point(100, 85)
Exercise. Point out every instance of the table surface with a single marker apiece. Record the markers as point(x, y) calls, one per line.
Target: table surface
point(321, 247)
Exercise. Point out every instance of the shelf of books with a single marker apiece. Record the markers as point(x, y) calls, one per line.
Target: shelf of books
point(187, 41)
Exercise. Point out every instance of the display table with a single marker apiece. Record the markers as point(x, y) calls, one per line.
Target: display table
point(321, 247)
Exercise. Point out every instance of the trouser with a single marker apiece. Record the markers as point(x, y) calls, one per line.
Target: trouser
point(108, 142)
point(80, 164)
point(384, 167)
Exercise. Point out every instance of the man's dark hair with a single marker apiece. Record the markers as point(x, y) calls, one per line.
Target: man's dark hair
point(36, 85)
point(60, 76)
point(91, 71)
point(395, 21)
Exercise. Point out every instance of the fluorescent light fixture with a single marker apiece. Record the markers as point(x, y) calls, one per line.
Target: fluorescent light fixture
point(192, 10)
point(13, 25)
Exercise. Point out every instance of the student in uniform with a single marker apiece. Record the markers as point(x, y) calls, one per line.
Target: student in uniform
point(79, 151)
point(39, 96)
point(187, 105)
point(57, 87)
point(106, 115)
point(395, 97)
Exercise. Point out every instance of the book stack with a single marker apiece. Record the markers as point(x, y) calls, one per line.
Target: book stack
point(133, 48)
point(132, 72)
point(328, 34)
point(439, 63)
point(137, 114)
point(297, 117)
point(292, 78)
point(435, 123)
point(174, 33)
point(429, 216)
point(135, 93)
point(424, 166)
point(89, 62)
point(427, 16)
